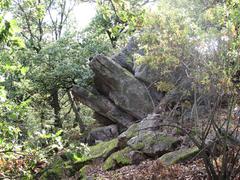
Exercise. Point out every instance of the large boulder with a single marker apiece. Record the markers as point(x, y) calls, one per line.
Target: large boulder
point(153, 143)
point(123, 88)
point(151, 124)
point(105, 133)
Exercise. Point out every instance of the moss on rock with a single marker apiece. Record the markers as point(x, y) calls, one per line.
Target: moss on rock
point(83, 172)
point(178, 156)
point(132, 131)
point(118, 159)
point(70, 162)
point(153, 143)
point(101, 150)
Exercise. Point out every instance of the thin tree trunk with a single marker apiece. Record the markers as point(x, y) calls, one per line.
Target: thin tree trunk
point(76, 110)
point(56, 107)
point(42, 119)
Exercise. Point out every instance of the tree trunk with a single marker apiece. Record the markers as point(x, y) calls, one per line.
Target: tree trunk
point(42, 119)
point(56, 107)
point(76, 110)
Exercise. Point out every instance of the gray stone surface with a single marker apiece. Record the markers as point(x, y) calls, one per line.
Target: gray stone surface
point(124, 89)
point(103, 106)
point(102, 134)
point(153, 143)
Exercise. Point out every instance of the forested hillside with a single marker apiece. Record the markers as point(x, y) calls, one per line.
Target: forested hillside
point(148, 89)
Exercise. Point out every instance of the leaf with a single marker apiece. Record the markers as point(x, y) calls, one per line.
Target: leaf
point(117, 1)
point(59, 132)
point(24, 70)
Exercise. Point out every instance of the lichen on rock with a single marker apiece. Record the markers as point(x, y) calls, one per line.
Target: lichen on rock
point(153, 143)
point(131, 131)
point(124, 157)
point(101, 150)
point(178, 156)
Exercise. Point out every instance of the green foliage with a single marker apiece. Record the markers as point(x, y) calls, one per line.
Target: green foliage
point(58, 65)
point(164, 86)
point(205, 36)
point(41, 57)
point(116, 18)
point(5, 4)
point(167, 35)
point(8, 135)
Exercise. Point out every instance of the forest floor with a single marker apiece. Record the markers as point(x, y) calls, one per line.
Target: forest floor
point(152, 170)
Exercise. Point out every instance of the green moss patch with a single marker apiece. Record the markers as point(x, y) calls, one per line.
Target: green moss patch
point(132, 131)
point(101, 150)
point(152, 143)
point(118, 159)
point(71, 162)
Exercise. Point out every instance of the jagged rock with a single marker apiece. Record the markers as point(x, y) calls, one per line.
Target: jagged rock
point(142, 72)
point(124, 157)
point(103, 106)
point(178, 156)
point(123, 88)
point(102, 134)
point(153, 143)
point(146, 74)
point(151, 123)
point(102, 120)
point(103, 149)
point(125, 56)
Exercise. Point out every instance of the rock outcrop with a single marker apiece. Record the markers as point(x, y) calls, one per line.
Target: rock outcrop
point(123, 95)
point(116, 95)
point(122, 87)
point(124, 91)
point(153, 143)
